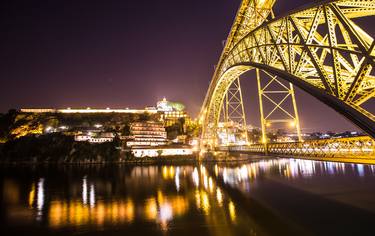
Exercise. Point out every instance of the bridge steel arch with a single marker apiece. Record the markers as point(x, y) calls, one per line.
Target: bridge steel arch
point(320, 48)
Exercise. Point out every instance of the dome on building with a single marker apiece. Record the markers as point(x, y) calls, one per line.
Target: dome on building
point(165, 105)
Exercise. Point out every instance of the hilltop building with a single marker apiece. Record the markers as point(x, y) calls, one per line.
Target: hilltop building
point(172, 112)
point(82, 122)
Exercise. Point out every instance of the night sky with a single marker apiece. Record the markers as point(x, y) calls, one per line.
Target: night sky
point(120, 53)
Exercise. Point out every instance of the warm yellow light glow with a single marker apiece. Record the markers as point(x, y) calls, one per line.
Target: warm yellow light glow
point(195, 176)
point(205, 202)
point(75, 213)
point(32, 195)
point(219, 197)
point(232, 211)
point(151, 210)
point(210, 184)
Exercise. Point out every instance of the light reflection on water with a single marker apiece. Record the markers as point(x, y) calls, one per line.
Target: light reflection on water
point(168, 197)
point(158, 194)
point(290, 169)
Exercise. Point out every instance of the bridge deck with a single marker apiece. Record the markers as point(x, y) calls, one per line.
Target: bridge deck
point(356, 150)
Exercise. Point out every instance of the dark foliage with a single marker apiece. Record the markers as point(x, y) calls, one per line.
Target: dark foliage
point(57, 148)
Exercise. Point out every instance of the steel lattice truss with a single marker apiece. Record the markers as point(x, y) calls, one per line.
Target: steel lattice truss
point(322, 49)
point(233, 111)
point(233, 106)
point(358, 149)
point(268, 93)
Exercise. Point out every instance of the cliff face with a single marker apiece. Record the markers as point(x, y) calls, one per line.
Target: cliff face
point(56, 148)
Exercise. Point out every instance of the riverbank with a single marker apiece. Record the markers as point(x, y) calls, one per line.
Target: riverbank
point(60, 149)
point(56, 148)
point(133, 160)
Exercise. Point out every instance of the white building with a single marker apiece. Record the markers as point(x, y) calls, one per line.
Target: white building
point(95, 138)
point(162, 152)
point(147, 134)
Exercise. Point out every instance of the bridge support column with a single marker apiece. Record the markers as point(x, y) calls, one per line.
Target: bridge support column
point(276, 94)
point(233, 112)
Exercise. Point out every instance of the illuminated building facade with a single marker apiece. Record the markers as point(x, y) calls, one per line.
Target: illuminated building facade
point(160, 152)
point(95, 138)
point(147, 134)
point(172, 112)
point(88, 110)
point(173, 117)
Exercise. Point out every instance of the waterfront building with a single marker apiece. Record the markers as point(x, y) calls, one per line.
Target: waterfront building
point(163, 151)
point(148, 133)
point(94, 138)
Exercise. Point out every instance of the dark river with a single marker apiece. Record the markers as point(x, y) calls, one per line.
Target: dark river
point(264, 197)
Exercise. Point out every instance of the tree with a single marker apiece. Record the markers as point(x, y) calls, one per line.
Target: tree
point(193, 129)
point(144, 117)
point(181, 123)
point(255, 135)
point(126, 130)
point(6, 122)
point(160, 152)
point(173, 131)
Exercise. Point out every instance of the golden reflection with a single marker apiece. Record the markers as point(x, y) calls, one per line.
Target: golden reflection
point(179, 205)
point(219, 197)
point(165, 172)
point(196, 177)
point(289, 168)
point(87, 207)
point(168, 172)
point(163, 208)
point(205, 202)
point(151, 209)
point(202, 200)
point(205, 181)
point(75, 213)
point(232, 211)
point(210, 184)
point(32, 195)
point(198, 199)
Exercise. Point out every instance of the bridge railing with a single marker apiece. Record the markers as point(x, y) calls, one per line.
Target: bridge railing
point(351, 148)
point(254, 148)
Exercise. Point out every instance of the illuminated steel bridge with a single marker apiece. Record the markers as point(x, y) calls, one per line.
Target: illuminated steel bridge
point(325, 48)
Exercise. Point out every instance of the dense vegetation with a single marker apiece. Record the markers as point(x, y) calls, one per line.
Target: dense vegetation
point(57, 148)
point(14, 124)
point(23, 136)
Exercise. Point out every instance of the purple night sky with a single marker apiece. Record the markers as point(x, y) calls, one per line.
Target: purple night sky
point(112, 53)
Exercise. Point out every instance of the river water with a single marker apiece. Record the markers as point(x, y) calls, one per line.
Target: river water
point(262, 197)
